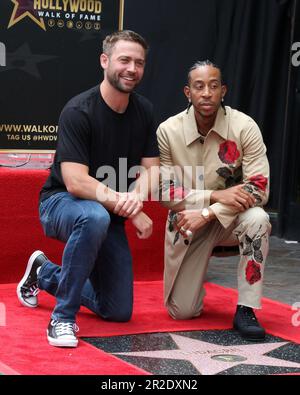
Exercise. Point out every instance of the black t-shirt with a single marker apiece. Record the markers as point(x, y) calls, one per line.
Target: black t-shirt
point(92, 134)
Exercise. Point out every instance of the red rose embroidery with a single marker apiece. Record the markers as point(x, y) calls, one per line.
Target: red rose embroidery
point(229, 152)
point(178, 193)
point(253, 273)
point(259, 181)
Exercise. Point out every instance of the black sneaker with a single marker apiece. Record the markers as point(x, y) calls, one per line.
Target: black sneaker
point(245, 322)
point(27, 288)
point(62, 334)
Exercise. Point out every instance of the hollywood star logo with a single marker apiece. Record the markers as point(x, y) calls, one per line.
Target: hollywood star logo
point(220, 352)
point(23, 9)
point(210, 359)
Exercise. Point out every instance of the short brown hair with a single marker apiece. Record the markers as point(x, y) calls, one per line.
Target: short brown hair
point(126, 35)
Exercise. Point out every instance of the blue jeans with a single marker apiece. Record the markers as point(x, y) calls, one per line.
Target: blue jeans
point(96, 269)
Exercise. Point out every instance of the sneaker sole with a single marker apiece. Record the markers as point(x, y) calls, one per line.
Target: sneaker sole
point(253, 340)
point(60, 343)
point(27, 271)
point(249, 338)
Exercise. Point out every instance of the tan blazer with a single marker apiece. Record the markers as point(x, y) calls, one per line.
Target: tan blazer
point(233, 152)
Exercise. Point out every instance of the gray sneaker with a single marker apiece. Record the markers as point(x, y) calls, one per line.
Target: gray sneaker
point(62, 334)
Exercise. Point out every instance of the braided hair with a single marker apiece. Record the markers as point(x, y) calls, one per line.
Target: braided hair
point(204, 63)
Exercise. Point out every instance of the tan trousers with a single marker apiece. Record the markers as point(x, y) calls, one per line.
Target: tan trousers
point(250, 231)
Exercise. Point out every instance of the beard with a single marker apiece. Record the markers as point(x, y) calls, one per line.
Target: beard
point(209, 114)
point(114, 80)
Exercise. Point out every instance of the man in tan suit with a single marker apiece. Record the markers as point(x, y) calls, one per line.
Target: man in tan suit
point(215, 181)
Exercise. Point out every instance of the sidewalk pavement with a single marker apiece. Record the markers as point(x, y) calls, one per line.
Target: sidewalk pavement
point(282, 273)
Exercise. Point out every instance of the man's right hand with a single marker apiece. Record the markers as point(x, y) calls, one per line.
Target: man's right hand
point(235, 197)
point(143, 224)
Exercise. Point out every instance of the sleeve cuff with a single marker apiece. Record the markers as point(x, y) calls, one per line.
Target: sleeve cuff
point(195, 200)
point(224, 214)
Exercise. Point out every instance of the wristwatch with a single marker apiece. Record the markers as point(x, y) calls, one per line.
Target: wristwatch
point(205, 214)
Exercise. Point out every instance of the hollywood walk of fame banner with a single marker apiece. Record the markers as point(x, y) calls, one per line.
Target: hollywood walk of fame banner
point(49, 52)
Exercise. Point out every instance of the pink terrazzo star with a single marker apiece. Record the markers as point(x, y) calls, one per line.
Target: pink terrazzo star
point(210, 359)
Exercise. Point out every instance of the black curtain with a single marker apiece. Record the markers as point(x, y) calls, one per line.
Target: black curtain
point(249, 39)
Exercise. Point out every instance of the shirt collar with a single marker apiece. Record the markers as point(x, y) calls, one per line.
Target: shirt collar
point(190, 129)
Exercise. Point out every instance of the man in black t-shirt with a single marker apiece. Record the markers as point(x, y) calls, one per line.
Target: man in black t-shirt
point(104, 133)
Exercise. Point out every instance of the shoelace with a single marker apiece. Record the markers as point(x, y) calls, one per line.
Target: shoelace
point(65, 328)
point(31, 291)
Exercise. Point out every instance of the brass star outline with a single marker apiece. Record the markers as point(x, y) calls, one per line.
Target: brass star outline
point(14, 20)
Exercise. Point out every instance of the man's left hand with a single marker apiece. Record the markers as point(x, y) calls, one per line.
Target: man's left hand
point(143, 224)
point(190, 220)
